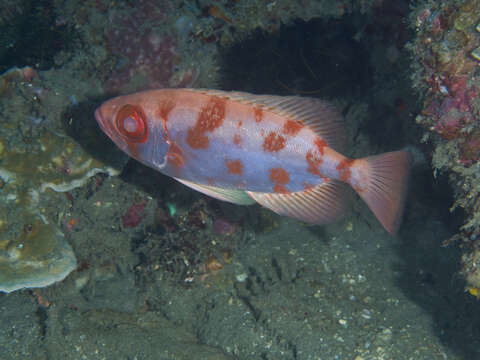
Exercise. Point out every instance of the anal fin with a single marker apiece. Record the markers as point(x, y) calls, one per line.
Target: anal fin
point(321, 204)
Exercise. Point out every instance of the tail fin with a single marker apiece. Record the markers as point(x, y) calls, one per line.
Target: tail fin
point(387, 182)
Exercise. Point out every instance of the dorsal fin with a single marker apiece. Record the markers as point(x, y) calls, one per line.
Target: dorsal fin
point(320, 116)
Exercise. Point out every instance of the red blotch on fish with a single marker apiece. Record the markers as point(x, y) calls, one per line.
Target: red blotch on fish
point(175, 155)
point(344, 169)
point(292, 127)
point(210, 117)
point(234, 167)
point(165, 106)
point(279, 177)
point(237, 140)
point(273, 142)
point(321, 145)
point(258, 113)
point(314, 160)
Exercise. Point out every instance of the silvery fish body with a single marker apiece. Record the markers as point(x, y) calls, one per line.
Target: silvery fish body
point(281, 152)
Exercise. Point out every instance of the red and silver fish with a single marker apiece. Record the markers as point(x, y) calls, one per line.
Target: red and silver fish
point(278, 151)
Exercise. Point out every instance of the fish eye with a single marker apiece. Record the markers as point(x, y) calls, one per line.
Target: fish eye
point(132, 123)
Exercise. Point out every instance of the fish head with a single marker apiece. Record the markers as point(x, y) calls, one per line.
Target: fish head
point(131, 123)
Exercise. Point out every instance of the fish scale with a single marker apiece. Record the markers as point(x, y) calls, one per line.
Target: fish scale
point(256, 163)
point(240, 147)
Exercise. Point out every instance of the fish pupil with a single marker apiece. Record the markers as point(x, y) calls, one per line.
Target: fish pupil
point(130, 124)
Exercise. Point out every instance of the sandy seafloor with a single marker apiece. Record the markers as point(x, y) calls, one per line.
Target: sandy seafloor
point(346, 291)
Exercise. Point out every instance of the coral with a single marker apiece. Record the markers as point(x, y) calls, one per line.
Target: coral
point(33, 253)
point(189, 246)
point(59, 164)
point(158, 44)
point(134, 215)
point(228, 21)
point(446, 49)
point(141, 39)
point(9, 77)
point(223, 227)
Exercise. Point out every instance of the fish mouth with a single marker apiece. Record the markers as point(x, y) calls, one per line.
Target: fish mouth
point(104, 124)
point(99, 118)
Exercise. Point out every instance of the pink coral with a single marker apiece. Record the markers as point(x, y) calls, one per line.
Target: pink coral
point(134, 215)
point(140, 36)
point(460, 96)
point(454, 111)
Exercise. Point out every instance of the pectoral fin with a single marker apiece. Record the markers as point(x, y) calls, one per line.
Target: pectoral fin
point(238, 197)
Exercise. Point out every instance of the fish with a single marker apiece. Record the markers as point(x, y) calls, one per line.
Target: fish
point(283, 152)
